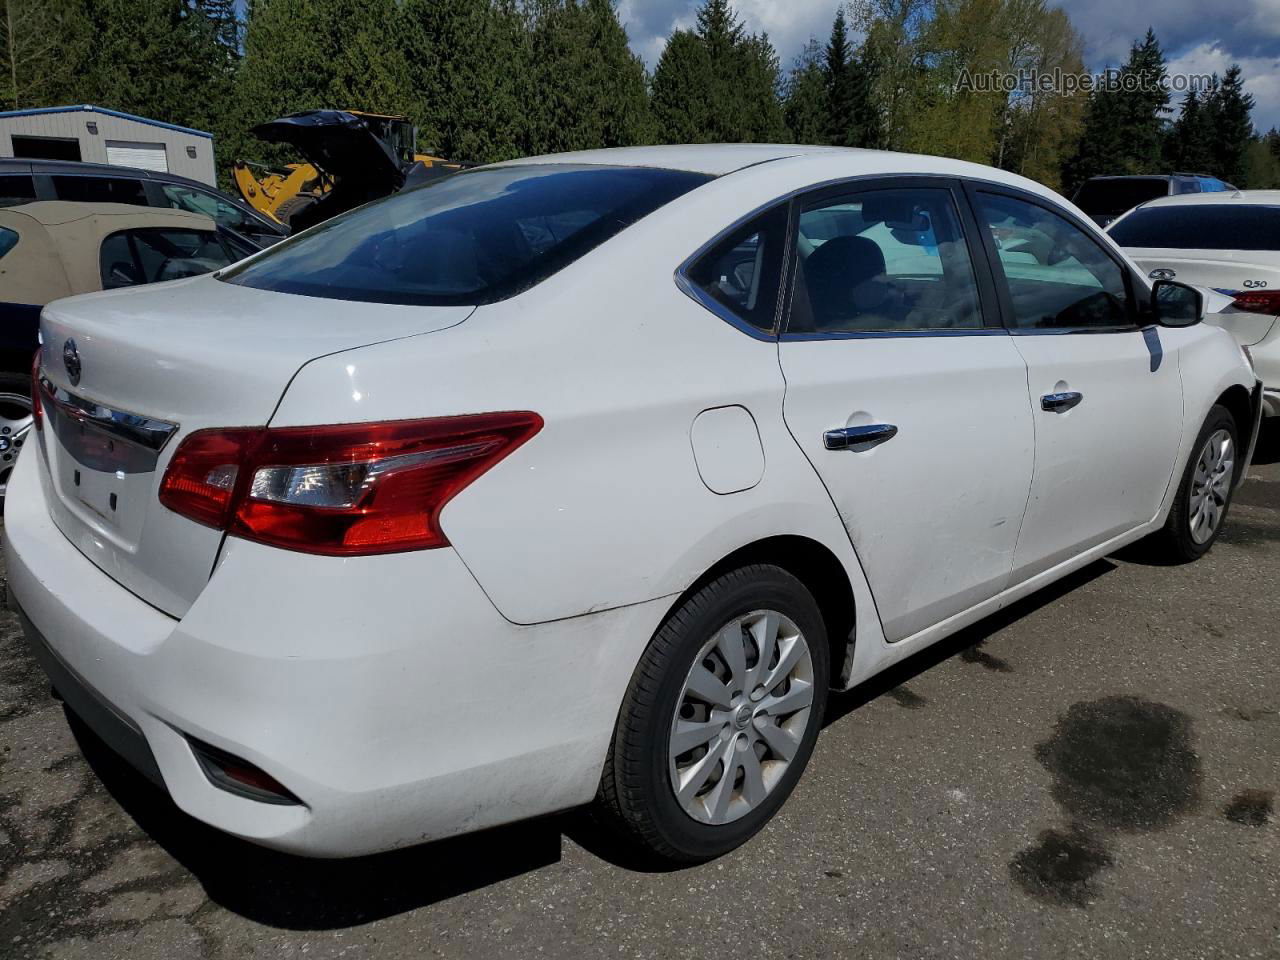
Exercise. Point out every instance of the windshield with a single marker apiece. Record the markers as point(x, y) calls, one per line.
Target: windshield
point(476, 237)
point(1112, 196)
point(1200, 226)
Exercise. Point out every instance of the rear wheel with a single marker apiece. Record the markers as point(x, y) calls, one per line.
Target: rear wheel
point(15, 422)
point(720, 718)
point(1205, 492)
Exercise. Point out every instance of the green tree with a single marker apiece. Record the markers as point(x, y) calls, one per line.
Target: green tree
point(1188, 145)
point(1232, 126)
point(804, 104)
point(41, 42)
point(1124, 121)
point(470, 66)
point(717, 83)
point(589, 89)
point(851, 117)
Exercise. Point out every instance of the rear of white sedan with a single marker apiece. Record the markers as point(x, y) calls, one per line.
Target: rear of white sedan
point(1228, 242)
point(542, 483)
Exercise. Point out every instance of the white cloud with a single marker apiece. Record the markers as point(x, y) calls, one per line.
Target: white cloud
point(1261, 77)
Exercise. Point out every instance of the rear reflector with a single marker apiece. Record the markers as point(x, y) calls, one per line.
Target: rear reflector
point(341, 490)
point(1257, 301)
point(240, 777)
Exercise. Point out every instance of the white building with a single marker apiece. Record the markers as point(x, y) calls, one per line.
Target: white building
point(98, 135)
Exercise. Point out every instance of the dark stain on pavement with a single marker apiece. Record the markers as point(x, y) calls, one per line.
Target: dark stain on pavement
point(1061, 866)
point(904, 696)
point(975, 654)
point(1252, 808)
point(1123, 762)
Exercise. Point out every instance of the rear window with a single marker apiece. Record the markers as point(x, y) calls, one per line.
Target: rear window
point(1200, 227)
point(100, 190)
point(1108, 197)
point(476, 237)
point(16, 189)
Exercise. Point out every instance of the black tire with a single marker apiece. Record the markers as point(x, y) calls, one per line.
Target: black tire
point(1174, 543)
point(293, 206)
point(636, 795)
point(15, 395)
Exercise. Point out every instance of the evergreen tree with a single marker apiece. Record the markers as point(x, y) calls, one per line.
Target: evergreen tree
point(717, 83)
point(1189, 143)
point(1124, 120)
point(851, 119)
point(470, 68)
point(41, 43)
point(804, 104)
point(589, 89)
point(1232, 126)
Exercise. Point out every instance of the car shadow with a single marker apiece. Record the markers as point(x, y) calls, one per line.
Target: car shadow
point(965, 642)
point(297, 893)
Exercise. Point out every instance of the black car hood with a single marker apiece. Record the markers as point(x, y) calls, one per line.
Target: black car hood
point(339, 144)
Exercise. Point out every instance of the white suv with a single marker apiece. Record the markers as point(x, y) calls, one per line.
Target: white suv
point(588, 476)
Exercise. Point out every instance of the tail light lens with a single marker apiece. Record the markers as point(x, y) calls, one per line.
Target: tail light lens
point(342, 490)
point(37, 408)
point(1257, 301)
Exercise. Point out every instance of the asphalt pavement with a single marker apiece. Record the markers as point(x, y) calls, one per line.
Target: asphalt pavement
point(1091, 774)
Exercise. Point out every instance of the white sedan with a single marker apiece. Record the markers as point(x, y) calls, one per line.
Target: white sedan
point(1229, 242)
point(587, 477)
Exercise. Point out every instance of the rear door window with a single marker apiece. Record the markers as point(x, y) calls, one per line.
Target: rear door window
point(151, 254)
point(8, 240)
point(1113, 197)
point(100, 189)
point(883, 260)
point(475, 237)
point(16, 189)
point(1201, 226)
point(223, 212)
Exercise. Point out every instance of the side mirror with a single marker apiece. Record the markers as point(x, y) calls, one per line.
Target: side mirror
point(1175, 304)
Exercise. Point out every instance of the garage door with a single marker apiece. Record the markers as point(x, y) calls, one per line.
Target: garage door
point(148, 156)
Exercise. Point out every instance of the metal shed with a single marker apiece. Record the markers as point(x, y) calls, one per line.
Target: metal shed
point(99, 135)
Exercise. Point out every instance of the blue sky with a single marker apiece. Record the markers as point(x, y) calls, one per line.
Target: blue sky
point(1198, 37)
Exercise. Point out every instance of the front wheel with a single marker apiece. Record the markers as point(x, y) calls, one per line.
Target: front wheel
point(721, 716)
point(1204, 494)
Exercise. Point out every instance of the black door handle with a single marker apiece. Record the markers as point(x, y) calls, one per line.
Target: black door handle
point(1060, 402)
point(846, 437)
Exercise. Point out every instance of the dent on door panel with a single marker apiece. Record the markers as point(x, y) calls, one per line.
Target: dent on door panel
point(726, 449)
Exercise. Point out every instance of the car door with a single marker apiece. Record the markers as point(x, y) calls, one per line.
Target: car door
point(1105, 398)
point(906, 394)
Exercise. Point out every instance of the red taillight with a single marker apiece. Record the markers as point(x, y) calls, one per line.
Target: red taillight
point(342, 490)
point(1258, 301)
point(37, 408)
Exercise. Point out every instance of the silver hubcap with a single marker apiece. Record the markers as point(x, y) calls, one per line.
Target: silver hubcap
point(15, 424)
point(740, 717)
point(1211, 485)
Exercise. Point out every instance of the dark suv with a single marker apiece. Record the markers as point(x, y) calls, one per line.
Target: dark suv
point(22, 181)
point(1105, 198)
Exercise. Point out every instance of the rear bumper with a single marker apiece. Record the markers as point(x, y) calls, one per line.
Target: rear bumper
point(389, 696)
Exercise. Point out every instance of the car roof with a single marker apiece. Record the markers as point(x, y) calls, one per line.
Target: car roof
point(718, 159)
point(1266, 198)
point(710, 158)
point(53, 213)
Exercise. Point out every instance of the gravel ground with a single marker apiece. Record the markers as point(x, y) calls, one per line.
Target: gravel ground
point(1092, 774)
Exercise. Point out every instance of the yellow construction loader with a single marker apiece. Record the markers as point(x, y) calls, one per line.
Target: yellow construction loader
point(350, 157)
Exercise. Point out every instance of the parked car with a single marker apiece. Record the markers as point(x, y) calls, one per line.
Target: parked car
point(22, 181)
point(1229, 243)
point(1105, 198)
point(587, 477)
point(56, 249)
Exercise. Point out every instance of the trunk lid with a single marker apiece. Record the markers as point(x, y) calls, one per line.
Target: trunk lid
point(132, 372)
point(1225, 271)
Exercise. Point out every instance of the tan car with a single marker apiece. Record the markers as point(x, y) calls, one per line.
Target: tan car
point(56, 248)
